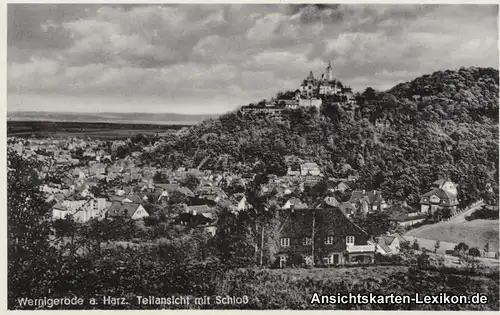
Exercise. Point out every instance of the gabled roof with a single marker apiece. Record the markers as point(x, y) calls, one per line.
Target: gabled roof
point(297, 204)
point(374, 198)
point(383, 244)
point(186, 191)
point(168, 187)
point(387, 240)
point(442, 194)
point(118, 209)
point(441, 181)
point(331, 201)
point(115, 198)
point(356, 196)
point(371, 197)
point(309, 165)
point(199, 209)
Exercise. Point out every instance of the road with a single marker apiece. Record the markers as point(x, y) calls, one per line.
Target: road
point(461, 217)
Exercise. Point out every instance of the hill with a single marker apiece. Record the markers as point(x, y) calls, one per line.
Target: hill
point(130, 118)
point(399, 141)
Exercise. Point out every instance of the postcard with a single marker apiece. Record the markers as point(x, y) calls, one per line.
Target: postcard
point(255, 156)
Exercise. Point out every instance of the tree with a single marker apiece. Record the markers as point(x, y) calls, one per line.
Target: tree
point(30, 257)
point(231, 239)
point(369, 94)
point(487, 248)
point(415, 245)
point(474, 252)
point(159, 177)
point(140, 139)
point(190, 181)
point(461, 248)
point(375, 223)
point(423, 260)
point(100, 189)
point(436, 246)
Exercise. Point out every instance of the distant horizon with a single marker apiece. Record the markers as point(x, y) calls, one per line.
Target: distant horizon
point(107, 112)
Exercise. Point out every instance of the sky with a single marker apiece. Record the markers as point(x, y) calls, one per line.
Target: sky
point(209, 59)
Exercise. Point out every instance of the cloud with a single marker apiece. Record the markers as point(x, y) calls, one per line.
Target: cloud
point(209, 53)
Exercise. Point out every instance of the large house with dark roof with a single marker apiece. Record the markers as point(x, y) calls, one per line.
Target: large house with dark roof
point(322, 237)
point(442, 200)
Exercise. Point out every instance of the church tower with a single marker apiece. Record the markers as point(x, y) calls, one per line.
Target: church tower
point(329, 74)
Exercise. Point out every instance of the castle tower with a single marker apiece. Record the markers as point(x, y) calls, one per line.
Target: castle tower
point(311, 76)
point(329, 74)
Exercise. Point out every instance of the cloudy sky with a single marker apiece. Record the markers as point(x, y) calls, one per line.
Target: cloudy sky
point(212, 58)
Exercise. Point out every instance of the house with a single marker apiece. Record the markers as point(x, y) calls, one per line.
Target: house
point(185, 191)
point(126, 210)
point(441, 201)
point(367, 201)
point(347, 209)
point(196, 216)
point(322, 237)
point(310, 169)
point(342, 187)
point(294, 203)
point(334, 185)
point(81, 210)
point(331, 201)
point(293, 171)
point(209, 195)
point(389, 244)
point(83, 190)
point(164, 190)
point(404, 215)
point(240, 202)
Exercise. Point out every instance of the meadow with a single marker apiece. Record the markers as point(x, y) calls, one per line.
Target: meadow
point(474, 233)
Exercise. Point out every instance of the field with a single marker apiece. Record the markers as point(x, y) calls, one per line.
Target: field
point(108, 131)
point(474, 233)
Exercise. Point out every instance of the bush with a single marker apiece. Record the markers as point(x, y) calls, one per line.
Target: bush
point(474, 252)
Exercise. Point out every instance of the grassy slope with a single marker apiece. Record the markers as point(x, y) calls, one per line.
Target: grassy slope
point(474, 233)
point(293, 288)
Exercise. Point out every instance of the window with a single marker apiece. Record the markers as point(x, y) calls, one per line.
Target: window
point(285, 241)
point(349, 240)
point(329, 240)
point(307, 241)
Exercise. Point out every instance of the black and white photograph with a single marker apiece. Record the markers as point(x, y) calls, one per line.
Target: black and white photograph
point(252, 156)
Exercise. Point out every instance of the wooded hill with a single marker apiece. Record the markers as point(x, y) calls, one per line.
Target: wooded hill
point(399, 141)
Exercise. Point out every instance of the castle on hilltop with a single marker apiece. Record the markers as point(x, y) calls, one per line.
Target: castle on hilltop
point(325, 86)
point(312, 92)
